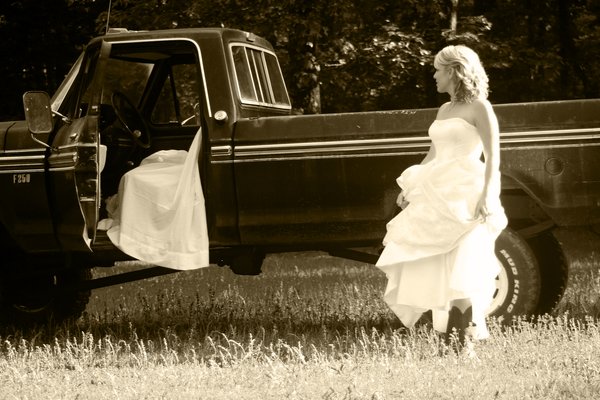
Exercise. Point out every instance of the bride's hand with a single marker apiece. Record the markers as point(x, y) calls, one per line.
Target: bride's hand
point(481, 209)
point(401, 201)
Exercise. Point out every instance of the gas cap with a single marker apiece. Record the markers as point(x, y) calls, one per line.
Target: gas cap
point(554, 166)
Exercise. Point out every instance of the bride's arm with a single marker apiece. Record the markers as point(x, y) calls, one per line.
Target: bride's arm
point(430, 155)
point(487, 126)
point(401, 200)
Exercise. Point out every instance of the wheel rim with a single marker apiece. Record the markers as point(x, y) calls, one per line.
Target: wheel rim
point(501, 292)
point(37, 299)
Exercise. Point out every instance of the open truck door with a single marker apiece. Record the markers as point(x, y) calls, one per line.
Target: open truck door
point(56, 191)
point(74, 162)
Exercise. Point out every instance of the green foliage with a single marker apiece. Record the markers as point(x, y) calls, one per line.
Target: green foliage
point(337, 55)
point(40, 41)
point(392, 60)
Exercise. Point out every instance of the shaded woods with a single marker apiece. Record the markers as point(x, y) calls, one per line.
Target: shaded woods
point(337, 55)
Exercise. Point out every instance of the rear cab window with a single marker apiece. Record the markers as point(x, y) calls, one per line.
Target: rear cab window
point(259, 80)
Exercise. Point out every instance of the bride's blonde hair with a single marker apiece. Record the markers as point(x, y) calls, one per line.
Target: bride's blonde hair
point(470, 79)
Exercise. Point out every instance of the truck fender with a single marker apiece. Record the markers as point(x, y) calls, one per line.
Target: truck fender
point(541, 221)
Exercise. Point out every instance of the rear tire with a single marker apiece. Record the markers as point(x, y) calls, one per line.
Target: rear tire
point(518, 285)
point(554, 277)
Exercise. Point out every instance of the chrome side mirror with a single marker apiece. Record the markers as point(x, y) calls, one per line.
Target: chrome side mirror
point(38, 112)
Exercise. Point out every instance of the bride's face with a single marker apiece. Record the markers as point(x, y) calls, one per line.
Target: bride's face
point(443, 79)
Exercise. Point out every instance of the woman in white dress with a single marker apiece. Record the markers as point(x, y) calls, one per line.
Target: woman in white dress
point(439, 251)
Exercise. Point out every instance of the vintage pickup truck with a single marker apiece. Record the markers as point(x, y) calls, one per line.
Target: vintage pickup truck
point(273, 181)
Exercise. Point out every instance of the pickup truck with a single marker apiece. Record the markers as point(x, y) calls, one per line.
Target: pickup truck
point(273, 181)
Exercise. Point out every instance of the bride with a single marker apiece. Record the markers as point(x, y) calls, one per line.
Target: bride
point(439, 251)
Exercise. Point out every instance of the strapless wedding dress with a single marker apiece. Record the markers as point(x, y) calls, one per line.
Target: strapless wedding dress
point(435, 250)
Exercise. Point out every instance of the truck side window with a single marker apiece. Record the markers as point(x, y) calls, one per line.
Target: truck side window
point(64, 95)
point(244, 77)
point(259, 78)
point(86, 76)
point(277, 82)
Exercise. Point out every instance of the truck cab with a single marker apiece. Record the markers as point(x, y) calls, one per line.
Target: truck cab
point(128, 95)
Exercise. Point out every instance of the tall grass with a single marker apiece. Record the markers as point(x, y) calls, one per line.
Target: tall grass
point(309, 327)
point(582, 296)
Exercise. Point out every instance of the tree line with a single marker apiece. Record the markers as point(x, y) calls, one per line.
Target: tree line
point(337, 55)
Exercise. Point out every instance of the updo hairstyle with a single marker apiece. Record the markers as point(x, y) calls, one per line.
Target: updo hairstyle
point(470, 79)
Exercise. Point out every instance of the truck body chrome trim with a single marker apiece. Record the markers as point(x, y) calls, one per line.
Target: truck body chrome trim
point(552, 132)
point(38, 151)
point(18, 164)
point(386, 146)
point(22, 170)
point(21, 158)
point(221, 151)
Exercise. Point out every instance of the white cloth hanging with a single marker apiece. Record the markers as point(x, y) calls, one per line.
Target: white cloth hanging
point(160, 216)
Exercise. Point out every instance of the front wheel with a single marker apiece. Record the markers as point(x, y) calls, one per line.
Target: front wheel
point(40, 299)
point(518, 285)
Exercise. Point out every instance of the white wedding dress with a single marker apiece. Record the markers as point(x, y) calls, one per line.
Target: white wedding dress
point(435, 251)
point(159, 215)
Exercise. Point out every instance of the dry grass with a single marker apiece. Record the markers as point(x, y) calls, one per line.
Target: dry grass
point(310, 327)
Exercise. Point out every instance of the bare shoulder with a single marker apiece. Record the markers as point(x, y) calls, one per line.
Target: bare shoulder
point(482, 111)
point(482, 107)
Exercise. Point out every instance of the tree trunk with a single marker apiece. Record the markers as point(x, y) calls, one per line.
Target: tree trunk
point(568, 51)
point(310, 81)
point(454, 16)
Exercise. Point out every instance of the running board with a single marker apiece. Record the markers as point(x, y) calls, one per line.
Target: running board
point(537, 229)
point(371, 258)
point(125, 277)
point(355, 255)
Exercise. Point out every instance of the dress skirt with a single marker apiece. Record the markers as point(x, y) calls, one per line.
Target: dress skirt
point(435, 251)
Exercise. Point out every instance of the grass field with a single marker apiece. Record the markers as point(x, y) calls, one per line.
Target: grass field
point(310, 327)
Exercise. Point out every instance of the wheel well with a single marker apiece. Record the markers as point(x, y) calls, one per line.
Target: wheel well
point(526, 215)
point(7, 243)
point(521, 209)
